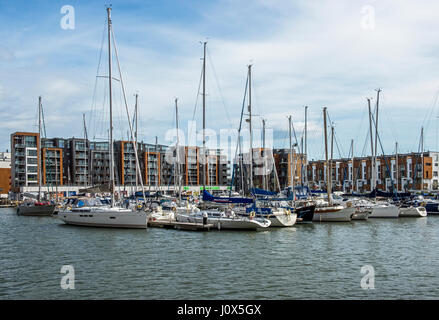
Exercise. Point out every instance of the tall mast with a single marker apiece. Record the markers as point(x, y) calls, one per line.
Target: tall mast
point(86, 150)
point(39, 151)
point(396, 163)
point(332, 152)
point(306, 151)
point(250, 122)
point(352, 178)
point(302, 181)
point(328, 179)
point(422, 159)
point(291, 157)
point(135, 135)
point(111, 109)
point(263, 154)
point(376, 137)
point(372, 182)
point(204, 117)
point(178, 178)
point(157, 169)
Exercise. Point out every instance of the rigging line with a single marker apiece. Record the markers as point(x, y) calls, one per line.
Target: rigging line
point(219, 88)
point(239, 143)
point(295, 137)
point(44, 123)
point(93, 104)
point(128, 115)
point(336, 144)
point(195, 107)
point(238, 154)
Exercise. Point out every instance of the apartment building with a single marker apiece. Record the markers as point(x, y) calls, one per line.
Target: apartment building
point(412, 171)
point(84, 163)
point(5, 174)
point(25, 159)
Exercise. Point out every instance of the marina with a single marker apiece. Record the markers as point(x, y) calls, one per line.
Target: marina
point(143, 182)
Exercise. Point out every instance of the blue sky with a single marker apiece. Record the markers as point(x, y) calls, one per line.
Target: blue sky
point(315, 53)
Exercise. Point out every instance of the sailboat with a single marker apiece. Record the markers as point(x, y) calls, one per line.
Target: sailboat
point(37, 208)
point(224, 218)
point(328, 212)
point(379, 209)
point(96, 215)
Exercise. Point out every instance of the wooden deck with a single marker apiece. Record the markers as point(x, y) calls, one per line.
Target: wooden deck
point(170, 224)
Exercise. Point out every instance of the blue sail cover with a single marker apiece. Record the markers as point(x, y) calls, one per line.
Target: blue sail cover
point(209, 197)
point(262, 192)
point(259, 210)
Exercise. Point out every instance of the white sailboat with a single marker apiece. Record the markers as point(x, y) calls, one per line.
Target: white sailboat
point(328, 212)
point(226, 218)
point(107, 216)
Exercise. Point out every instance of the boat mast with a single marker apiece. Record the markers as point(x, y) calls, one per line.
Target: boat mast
point(178, 178)
point(376, 137)
point(111, 109)
point(422, 159)
point(135, 137)
point(371, 146)
point(396, 163)
point(204, 117)
point(86, 150)
point(306, 152)
point(264, 178)
point(250, 122)
point(332, 152)
point(39, 146)
point(328, 180)
point(291, 159)
point(157, 169)
point(352, 178)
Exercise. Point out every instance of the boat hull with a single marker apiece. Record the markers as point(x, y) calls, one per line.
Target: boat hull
point(412, 212)
point(384, 212)
point(281, 219)
point(224, 223)
point(44, 210)
point(305, 214)
point(432, 208)
point(328, 214)
point(126, 219)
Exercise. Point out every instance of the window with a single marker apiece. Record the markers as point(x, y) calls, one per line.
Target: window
point(32, 161)
point(32, 153)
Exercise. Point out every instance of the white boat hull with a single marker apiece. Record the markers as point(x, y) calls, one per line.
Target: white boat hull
point(105, 218)
point(390, 211)
point(412, 212)
point(282, 219)
point(227, 223)
point(333, 214)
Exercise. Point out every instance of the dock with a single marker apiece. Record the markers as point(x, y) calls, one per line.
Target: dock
point(170, 224)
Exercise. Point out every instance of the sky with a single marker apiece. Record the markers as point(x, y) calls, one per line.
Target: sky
point(332, 54)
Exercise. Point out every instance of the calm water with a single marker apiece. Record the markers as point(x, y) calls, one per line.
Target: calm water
point(317, 261)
